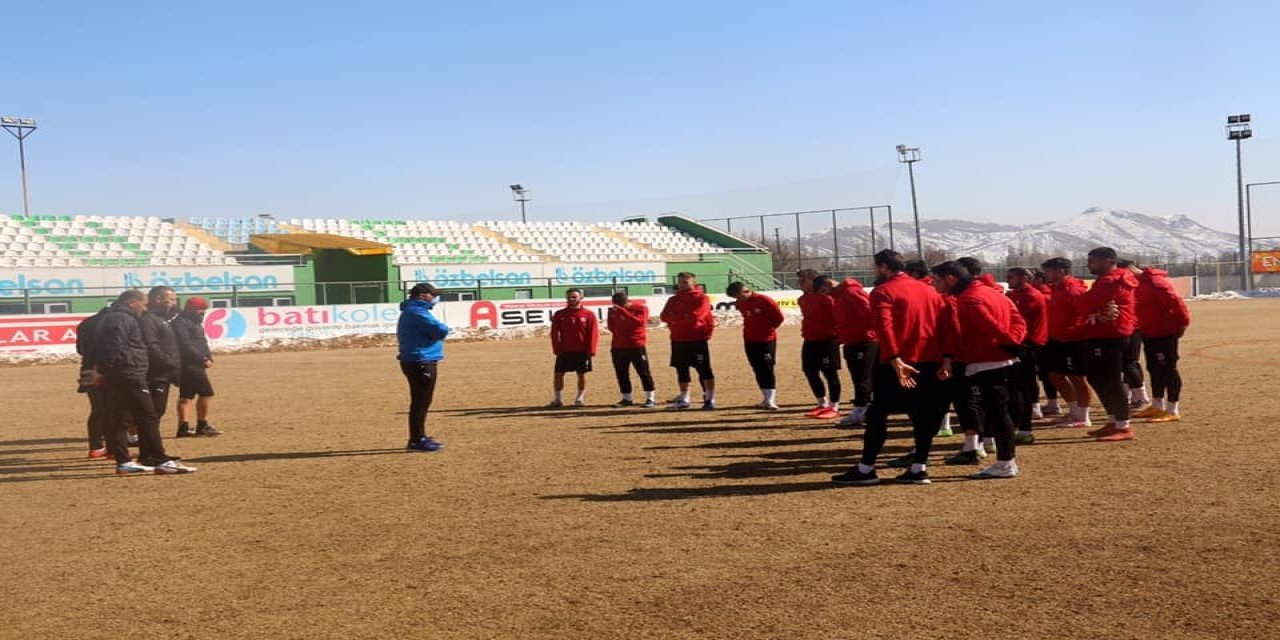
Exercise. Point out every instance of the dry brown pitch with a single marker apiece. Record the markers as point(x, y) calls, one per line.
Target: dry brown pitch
point(308, 520)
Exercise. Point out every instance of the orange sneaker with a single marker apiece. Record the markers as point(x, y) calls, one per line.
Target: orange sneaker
point(1165, 417)
point(1116, 435)
point(97, 453)
point(827, 414)
point(813, 413)
point(1149, 412)
point(1109, 427)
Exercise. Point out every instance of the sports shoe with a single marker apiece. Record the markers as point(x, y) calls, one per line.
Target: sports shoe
point(815, 411)
point(1071, 424)
point(555, 404)
point(425, 443)
point(1117, 435)
point(678, 405)
point(1109, 427)
point(172, 467)
point(1135, 405)
point(945, 432)
point(1024, 437)
point(826, 414)
point(1047, 411)
point(708, 405)
point(964, 458)
point(1165, 417)
point(902, 462)
point(94, 454)
point(853, 477)
point(1149, 412)
point(207, 430)
point(849, 422)
point(998, 471)
point(649, 404)
point(579, 403)
point(913, 477)
point(185, 430)
point(132, 468)
point(624, 403)
point(1036, 412)
point(768, 406)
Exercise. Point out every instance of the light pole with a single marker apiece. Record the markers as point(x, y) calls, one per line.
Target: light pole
point(911, 155)
point(20, 128)
point(1237, 130)
point(521, 195)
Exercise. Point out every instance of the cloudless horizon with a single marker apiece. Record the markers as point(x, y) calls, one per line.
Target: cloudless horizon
point(1023, 113)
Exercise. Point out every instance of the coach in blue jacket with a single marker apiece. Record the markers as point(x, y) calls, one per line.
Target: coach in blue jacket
point(421, 337)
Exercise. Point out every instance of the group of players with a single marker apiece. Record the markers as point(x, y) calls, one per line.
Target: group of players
point(922, 341)
point(132, 353)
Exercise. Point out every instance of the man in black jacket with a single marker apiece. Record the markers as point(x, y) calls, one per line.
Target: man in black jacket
point(196, 359)
point(90, 383)
point(164, 358)
point(124, 361)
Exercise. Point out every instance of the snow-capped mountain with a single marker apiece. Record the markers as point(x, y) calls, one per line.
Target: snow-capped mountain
point(1132, 234)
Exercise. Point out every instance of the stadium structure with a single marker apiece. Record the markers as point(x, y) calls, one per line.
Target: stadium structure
point(74, 264)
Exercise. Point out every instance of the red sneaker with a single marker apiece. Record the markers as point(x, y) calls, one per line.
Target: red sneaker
point(827, 414)
point(1107, 428)
point(1116, 435)
point(813, 413)
point(97, 453)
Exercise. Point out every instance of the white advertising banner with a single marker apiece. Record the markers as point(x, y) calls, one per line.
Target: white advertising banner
point(44, 282)
point(449, 276)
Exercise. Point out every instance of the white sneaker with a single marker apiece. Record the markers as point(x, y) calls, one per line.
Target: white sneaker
point(132, 468)
point(170, 467)
point(1036, 413)
point(765, 404)
point(998, 471)
point(677, 405)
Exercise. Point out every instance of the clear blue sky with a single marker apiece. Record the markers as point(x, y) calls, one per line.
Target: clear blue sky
point(420, 109)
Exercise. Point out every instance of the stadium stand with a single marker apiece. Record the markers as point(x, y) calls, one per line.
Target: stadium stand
point(425, 241)
point(573, 241)
point(236, 231)
point(100, 241)
point(661, 238)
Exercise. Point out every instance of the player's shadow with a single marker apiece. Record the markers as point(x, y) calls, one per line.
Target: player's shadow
point(38, 441)
point(299, 455)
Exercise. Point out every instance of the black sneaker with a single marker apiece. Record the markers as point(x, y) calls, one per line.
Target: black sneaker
point(207, 430)
point(185, 431)
point(853, 477)
point(964, 457)
point(624, 403)
point(902, 463)
point(913, 477)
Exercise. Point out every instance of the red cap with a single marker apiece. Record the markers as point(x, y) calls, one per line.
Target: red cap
point(197, 304)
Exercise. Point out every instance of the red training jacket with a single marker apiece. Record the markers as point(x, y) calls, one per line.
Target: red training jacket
point(1062, 310)
point(1034, 309)
point(761, 317)
point(1161, 311)
point(990, 281)
point(574, 331)
point(1117, 286)
point(819, 321)
point(984, 322)
point(688, 316)
point(854, 322)
point(906, 314)
point(629, 326)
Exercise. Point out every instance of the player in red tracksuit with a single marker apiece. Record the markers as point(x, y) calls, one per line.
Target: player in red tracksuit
point(1162, 317)
point(1065, 354)
point(761, 317)
point(855, 328)
point(1051, 407)
point(628, 324)
point(820, 351)
point(575, 334)
point(1032, 305)
point(688, 317)
point(906, 313)
point(1139, 399)
point(1106, 313)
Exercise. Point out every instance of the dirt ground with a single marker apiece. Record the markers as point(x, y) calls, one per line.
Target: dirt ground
point(309, 520)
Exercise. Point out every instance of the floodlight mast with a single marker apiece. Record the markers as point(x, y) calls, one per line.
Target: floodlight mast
point(20, 128)
point(1238, 129)
point(521, 195)
point(910, 156)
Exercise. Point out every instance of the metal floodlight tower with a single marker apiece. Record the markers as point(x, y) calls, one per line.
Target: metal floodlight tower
point(521, 195)
point(1238, 129)
point(20, 128)
point(910, 156)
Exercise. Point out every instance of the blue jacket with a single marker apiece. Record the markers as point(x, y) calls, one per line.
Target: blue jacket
point(420, 334)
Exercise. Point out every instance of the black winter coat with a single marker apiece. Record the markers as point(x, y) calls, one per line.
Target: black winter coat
point(162, 347)
point(120, 351)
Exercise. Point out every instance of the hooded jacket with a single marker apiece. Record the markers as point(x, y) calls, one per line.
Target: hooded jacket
point(854, 322)
point(1161, 311)
point(420, 334)
point(574, 331)
point(86, 341)
point(121, 352)
point(985, 326)
point(906, 313)
point(1063, 326)
point(193, 345)
point(1033, 307)
point(688, 316)
point(162, 347)
point(761, 317)
point(1117, 286)
point(819, 316)
point(628, 325)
